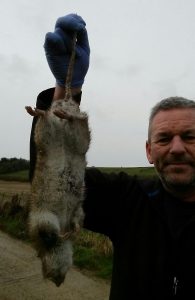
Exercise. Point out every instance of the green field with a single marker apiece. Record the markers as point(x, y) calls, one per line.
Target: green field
point(16, 176)
point(139, 171)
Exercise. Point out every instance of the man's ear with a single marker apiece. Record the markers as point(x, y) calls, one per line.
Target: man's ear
point(148, 152)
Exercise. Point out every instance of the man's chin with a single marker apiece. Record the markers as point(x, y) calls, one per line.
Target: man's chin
point(178, 182)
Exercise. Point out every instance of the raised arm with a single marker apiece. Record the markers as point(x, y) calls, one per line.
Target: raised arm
point(58, 47)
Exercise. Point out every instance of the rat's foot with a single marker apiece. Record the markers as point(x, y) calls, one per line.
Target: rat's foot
point(34, 112)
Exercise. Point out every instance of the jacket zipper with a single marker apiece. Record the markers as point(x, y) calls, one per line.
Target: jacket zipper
point(175, 285)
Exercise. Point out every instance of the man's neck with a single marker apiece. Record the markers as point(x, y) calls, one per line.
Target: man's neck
point(186, 195)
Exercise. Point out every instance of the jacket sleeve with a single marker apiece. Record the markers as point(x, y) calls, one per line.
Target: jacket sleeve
point(44, 100)
point(107, 200)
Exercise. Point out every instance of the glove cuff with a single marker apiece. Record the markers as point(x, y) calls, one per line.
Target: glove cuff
point(74, 84)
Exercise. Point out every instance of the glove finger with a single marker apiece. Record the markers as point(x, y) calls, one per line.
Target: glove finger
point(54, 43)
point(83, 41)
point(58, 42)
point(71, 22)
point(67, 39)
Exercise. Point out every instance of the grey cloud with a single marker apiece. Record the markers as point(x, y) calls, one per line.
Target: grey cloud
point(120, 69)
point(14, 64)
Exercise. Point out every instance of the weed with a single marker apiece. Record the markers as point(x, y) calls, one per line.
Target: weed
point(90, 259)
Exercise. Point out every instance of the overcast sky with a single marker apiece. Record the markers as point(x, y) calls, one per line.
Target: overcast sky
point(141, 51)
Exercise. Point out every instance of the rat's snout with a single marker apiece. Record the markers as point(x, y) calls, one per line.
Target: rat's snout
point(58, 280)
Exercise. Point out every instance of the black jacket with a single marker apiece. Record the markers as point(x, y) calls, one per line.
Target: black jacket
point(153, 233)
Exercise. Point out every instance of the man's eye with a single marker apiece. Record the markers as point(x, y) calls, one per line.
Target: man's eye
point(163, 140)
point(189, 138)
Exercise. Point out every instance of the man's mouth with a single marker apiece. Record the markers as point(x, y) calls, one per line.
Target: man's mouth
point(177, 164)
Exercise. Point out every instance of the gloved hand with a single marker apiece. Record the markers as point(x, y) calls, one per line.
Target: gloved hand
point(58, 47)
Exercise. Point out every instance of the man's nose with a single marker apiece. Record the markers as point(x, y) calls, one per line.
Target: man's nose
point(177, 145)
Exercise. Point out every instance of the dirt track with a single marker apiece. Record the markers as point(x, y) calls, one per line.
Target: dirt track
point(14, 187)
point(20, 272)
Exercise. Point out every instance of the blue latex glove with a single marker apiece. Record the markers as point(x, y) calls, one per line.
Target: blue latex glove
point(58, 47)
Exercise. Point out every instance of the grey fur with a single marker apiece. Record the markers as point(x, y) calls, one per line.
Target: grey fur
point(58, 186)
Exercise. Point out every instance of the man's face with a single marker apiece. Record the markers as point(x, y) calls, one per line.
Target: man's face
point(171, 147)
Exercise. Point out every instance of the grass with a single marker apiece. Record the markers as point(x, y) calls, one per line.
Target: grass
point(90, 259)
point(15, 226)
point(21, 176)
point(139, 171)
point(93, 251)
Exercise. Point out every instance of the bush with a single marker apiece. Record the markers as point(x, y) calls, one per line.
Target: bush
point(9, 165)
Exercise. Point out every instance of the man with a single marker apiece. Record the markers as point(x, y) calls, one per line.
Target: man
point(150, 222)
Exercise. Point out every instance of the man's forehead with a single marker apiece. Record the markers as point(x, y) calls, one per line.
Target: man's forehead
point(174, 119)
point(175, 114)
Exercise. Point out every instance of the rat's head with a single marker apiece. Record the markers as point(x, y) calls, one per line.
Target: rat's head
point(57, 261)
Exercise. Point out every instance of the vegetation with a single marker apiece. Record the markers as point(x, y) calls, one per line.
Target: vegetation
point(139, 171)
point(93, 251)
point(89, 259)
point(14, 225)
point(10, 165)
point(13, 215)
point(21, 176)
